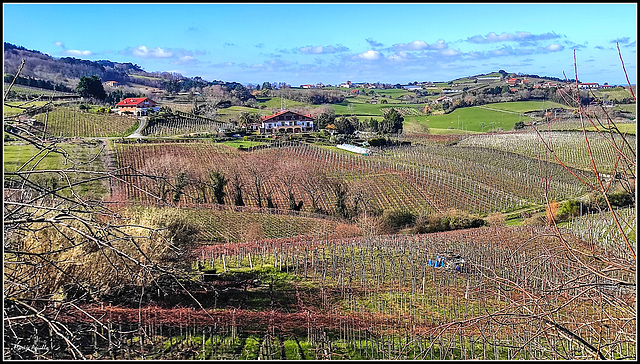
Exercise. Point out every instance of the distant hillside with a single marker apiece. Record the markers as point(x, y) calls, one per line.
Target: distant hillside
point(67, 71)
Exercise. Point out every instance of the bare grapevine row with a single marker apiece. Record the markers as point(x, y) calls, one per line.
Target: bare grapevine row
point(418, 178)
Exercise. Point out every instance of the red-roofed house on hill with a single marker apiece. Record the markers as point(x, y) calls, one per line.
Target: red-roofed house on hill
point(137, 106)
point(286, 121)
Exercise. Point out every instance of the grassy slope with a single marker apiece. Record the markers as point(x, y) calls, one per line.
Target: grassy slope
point(469, 119)
point(15, 155)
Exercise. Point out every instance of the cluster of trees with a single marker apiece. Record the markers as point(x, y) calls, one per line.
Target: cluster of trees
point(118, 95)
point(311, 96)
point(34, 82)
point(224, 95)
point(391, 122)
point(91, 87)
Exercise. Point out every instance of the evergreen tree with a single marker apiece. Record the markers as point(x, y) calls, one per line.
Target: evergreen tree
point(91, 87)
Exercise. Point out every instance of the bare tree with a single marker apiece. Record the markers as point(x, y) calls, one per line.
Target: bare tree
point(62, 249)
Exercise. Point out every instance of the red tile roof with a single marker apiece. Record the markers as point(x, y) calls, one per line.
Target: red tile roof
point(265, 118)
point(132, 101)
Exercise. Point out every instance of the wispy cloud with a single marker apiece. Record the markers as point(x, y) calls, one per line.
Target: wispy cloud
point(323, 49)
point(623, 40)
point(143, 51)
point(511, 37)
point(373, 43)
point(73, 52)
point(419, 45)
point(177, 55)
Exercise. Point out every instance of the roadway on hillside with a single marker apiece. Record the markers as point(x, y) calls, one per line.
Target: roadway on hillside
point(137, 134)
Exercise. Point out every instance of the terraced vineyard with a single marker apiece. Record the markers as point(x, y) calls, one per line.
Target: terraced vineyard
point(184, 123)
point(232, 224)
point(67, 122)
point(569, 147)
point(417, 178)
point(387, 297)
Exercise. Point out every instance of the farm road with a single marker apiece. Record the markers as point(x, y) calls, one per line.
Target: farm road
point(143, 124)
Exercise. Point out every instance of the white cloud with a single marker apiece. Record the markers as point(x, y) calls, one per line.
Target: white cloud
point(450, 52)
point(186, 59)
point(73, 52)
point(77, 53)
point(369, 55)
point(419, 45)
point(156, 52)
point(554, 47)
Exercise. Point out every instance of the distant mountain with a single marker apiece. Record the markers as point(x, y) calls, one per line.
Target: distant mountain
point(67, 71)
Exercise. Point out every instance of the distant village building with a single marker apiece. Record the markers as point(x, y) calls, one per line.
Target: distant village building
point(606, 86)
point(137, 106)
point(112, 83)
point(286, 121)
point(589, 85)
point(412, 87)
point(346, 84)
point(307, 86)
point(443, 99)
point(513, 81)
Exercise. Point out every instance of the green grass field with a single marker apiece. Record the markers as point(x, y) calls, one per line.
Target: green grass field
point(276, 102)
point(470, 119)
point(8, 110)
point(16, 155)
point(525, 106)
point(233, 113)
point(615, 94)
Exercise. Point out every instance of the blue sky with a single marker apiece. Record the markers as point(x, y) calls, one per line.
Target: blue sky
point(335, 42)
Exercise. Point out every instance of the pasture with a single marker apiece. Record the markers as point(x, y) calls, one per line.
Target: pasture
point(525, 106)
point(12, 108)
point(85, 161)
point(473, 119)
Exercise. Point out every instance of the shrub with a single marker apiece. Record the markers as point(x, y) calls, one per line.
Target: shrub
point(620, 198)
point(430, 224)
point(568, 209)
point(393, 220)
point(181, 232)
point(451, 220)
point(377, 142)
point(463, 220)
